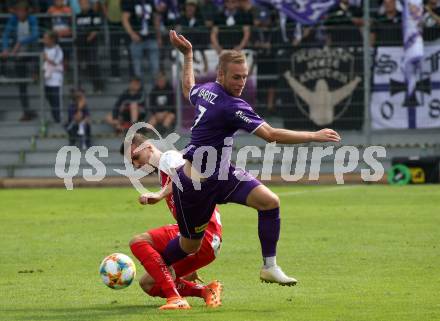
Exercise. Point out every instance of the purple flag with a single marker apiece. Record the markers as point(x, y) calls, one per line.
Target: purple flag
point(413, 42)
point(303, 11)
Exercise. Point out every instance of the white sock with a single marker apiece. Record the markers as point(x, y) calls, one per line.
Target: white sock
point(269, 261)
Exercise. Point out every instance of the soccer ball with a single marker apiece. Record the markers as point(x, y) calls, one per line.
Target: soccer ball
point(117, 271)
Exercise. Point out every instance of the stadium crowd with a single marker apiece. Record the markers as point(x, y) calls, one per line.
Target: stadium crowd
point(139, 28)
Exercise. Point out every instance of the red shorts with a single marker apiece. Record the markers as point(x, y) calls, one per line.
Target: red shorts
point(210, 247)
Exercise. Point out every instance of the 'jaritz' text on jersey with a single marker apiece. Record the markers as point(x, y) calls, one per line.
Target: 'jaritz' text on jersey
point(207, 95)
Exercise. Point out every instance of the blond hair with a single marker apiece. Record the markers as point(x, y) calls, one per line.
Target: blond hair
point(230, 56)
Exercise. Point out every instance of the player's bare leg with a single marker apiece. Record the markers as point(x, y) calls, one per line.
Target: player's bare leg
point(267, 203)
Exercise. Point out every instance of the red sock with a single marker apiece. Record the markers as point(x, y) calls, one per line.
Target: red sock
point(187, 288)
point(155, 266)
point(156, 291)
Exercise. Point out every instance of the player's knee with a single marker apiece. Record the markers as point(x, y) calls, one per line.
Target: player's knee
point(146, 283)
point(140, 237)
point(272, 201)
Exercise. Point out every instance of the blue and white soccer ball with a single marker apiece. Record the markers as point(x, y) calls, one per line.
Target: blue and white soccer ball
point(117, 271)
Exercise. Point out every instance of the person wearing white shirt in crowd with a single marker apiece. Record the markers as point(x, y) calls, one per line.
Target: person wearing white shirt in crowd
point(53, 73)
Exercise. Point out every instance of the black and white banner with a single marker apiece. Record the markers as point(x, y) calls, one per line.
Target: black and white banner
point(323, 87)
point(391, 105)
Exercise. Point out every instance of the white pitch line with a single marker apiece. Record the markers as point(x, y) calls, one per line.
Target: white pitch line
point(329, 189)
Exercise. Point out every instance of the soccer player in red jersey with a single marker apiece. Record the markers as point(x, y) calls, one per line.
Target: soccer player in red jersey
point(159, 279)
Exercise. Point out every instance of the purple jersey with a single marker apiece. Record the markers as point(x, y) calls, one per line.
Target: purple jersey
point(218, 116)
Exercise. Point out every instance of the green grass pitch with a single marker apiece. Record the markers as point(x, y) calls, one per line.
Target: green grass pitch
point(359, 253)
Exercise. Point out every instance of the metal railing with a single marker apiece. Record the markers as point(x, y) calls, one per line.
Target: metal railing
point(323, 44)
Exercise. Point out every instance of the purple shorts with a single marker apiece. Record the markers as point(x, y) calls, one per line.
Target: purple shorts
point(195, 207)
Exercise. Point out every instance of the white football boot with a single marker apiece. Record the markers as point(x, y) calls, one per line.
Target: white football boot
point(274, 274)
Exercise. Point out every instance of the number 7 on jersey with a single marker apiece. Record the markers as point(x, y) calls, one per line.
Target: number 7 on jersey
point(202, 110)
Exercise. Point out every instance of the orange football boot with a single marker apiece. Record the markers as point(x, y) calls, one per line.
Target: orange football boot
point(176, 303)
point(212, 294)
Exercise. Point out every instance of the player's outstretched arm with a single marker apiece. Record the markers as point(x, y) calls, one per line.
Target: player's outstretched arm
point(286, 136)
point(185, 47)
point(153, 198)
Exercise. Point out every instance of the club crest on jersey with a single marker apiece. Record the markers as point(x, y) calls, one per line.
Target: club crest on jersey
point(207, 95)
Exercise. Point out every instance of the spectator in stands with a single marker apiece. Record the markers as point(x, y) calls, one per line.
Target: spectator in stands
point(78, 124)
point(20, 33)
point(219, 4)
point(141, 21)
point(113, 14)
point(250, 9)
point(61, 23)
point(170, 12)
point(231, 28)
point(431, 21)
point(129, 108)
point(53, 73)
point(4, 7)
point(74, 6)
point(387, 27)
point(343, 25)
point(162, 105)
point(191, 25)
point(264, 40)
point(7, 6)
point(89, 25)
point(40, 5)
point(208, 10)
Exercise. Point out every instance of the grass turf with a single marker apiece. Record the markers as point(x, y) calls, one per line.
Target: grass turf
point(359, 252)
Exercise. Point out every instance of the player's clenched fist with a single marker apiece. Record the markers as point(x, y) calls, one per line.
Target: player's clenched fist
point(149, 198)
point(326, 135)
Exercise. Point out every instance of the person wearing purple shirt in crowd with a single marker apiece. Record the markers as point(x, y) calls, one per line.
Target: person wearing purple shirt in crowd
point(205, 181)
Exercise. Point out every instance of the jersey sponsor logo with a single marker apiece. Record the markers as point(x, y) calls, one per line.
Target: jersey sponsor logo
point(243, 117)
point(207, 95)
point(201, 228)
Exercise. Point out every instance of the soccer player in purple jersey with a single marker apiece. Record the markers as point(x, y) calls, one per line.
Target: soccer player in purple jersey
point(207, 181)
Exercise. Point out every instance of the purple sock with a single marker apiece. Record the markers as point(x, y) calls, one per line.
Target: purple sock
point(269, 231)
point(173, 252)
